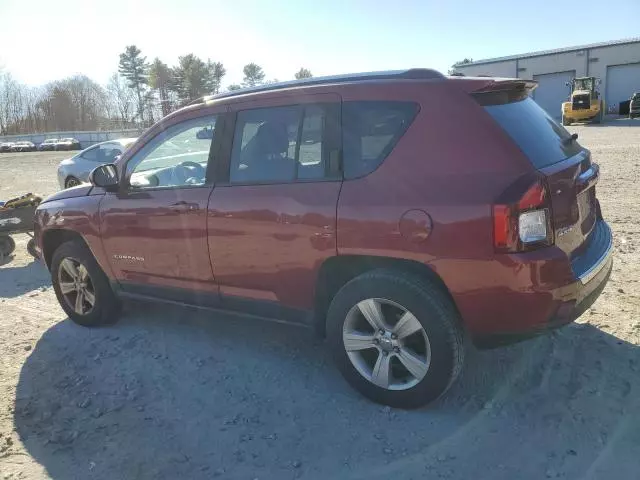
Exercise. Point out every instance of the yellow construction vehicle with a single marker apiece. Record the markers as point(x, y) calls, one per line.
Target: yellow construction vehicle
point(585, 104)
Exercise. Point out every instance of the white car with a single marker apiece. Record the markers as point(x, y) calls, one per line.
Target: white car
point(75, 170)
point(6, 146)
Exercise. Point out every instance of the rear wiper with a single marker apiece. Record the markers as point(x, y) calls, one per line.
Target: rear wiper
point(568, 140)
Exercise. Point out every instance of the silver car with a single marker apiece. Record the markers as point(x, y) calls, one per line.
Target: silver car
point(75, 170)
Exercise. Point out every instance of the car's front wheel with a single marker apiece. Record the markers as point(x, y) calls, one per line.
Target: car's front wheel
point(82, 288)
point(396, 338)
point(71, 182)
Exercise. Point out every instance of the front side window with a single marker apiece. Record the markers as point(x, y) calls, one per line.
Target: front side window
point(108, 152)
point(370, 130)
point(175, 158)
point(277, 145)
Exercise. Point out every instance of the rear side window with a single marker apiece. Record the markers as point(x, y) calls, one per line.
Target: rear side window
point(370, 130)
point(538, 135)
point(91, 154)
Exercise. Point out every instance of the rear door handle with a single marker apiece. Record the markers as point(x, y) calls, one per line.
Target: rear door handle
point(185, 207)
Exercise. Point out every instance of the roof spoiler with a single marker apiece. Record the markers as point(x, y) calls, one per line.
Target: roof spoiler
point(501, 91)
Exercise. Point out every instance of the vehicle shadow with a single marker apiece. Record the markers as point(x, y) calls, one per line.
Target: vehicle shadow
point(175, 394)
point(16, 280)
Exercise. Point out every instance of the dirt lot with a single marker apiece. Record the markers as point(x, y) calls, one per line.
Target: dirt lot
point(183, 394)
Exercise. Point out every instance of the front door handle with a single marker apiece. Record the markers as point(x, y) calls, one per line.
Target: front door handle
point(185, 207)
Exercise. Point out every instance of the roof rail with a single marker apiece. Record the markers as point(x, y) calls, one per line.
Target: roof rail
point(410, 74)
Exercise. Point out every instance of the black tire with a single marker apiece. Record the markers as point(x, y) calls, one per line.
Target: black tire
point(431, 307)
point(565, 122)
point(71, 182)
point(106, 308)
point(7, 245)
point(31, 248)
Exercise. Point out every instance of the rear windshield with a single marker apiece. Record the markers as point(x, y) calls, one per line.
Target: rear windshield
point(538, 135)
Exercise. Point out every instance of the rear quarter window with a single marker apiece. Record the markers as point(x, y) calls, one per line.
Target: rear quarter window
point(370, 131)
point(539, 136)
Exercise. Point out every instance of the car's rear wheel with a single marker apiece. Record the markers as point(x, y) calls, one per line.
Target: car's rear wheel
point(32, 249)
point(82, 288)
point(565, 121)
point(71, 182)
point(396, 338)
point(7, 245)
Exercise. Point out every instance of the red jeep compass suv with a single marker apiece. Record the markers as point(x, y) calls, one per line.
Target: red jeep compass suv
point(395, 212)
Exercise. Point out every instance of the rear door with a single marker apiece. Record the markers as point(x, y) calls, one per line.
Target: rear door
point(571, 176)
point(272, 214)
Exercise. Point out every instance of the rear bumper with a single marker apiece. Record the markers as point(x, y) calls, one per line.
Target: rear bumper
point(564, 304)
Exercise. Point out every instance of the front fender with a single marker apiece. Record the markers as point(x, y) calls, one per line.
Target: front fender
point(57, 220)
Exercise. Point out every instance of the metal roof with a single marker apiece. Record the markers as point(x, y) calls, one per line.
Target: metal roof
point(542, 53)
point(410, 74)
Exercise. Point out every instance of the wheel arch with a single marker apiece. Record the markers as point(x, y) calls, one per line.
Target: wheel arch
point(69, 177)
point(336, 271)
point(53, 238)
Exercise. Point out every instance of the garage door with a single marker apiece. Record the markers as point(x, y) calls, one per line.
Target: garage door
point(552, 91)
point(622, 81)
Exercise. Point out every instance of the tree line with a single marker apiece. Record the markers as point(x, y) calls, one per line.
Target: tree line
point(136, 95)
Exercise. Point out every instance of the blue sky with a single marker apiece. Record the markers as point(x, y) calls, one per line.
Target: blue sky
point(50, 40)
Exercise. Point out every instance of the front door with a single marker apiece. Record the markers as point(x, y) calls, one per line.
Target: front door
point(154, 229)
point(272, 220)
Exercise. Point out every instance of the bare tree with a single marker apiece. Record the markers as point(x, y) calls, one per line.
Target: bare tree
point(121, 99)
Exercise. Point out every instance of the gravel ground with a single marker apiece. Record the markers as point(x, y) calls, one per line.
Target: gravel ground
point(170, 393)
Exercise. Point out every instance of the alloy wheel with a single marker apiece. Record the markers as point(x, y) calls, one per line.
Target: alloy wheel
point(72, 182)
point(76, 286)
point(386, 344)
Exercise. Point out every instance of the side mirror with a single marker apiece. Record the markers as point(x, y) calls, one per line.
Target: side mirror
point(105, 176)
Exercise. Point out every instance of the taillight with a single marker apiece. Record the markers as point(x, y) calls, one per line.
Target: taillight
point(522, 222)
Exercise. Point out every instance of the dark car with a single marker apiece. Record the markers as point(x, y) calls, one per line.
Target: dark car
point(68, 144)
point(48, 144)
point(634, 105)
point(396, 213)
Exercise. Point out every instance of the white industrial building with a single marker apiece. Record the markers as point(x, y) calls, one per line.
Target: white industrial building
point(616, 64)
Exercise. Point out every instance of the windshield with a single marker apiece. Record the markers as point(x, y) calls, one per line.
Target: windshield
point(583, 84)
